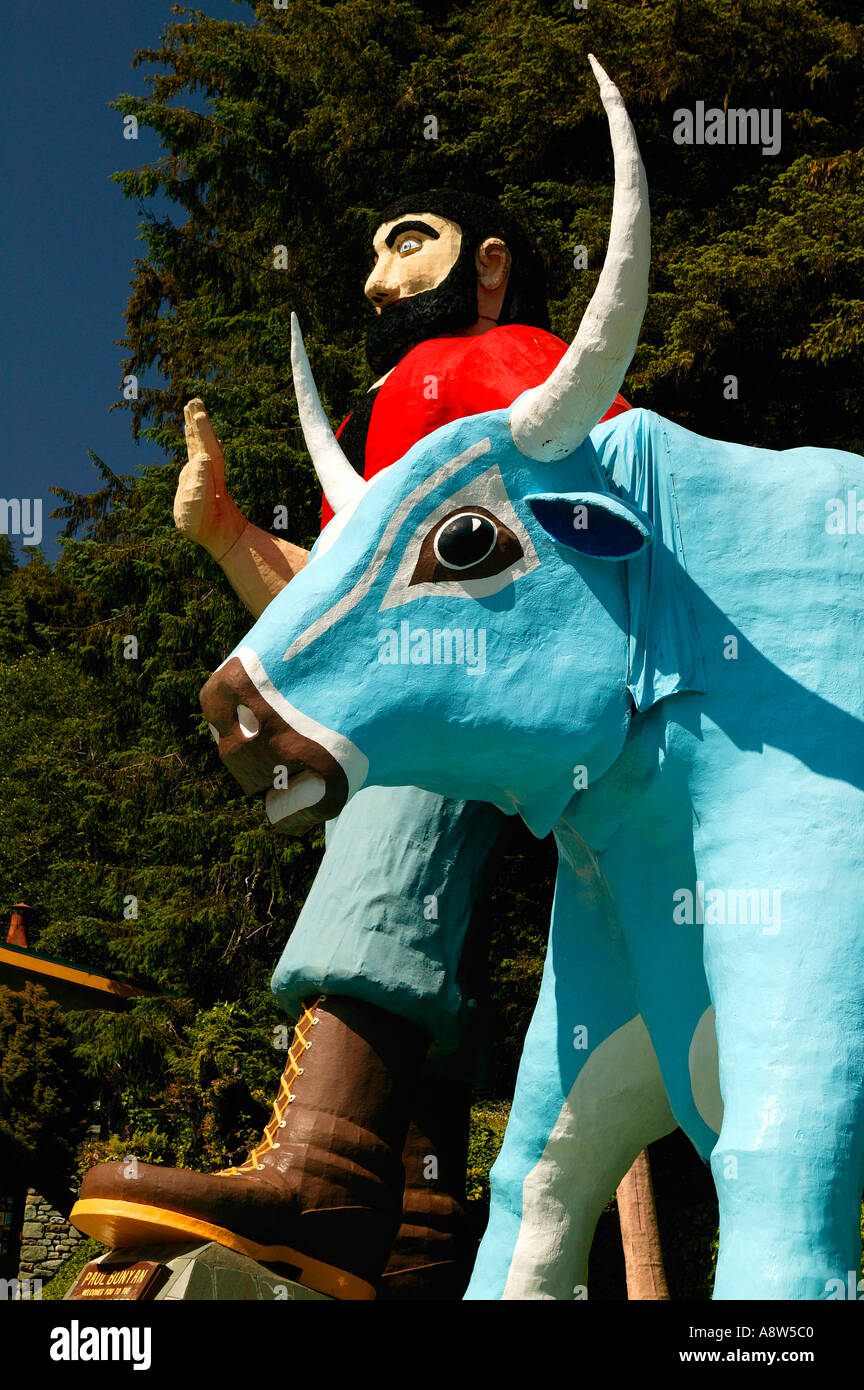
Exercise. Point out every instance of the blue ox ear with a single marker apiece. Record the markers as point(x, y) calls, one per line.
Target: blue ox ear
point(594, 523)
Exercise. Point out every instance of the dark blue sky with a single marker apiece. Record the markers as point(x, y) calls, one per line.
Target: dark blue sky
point(69, 236)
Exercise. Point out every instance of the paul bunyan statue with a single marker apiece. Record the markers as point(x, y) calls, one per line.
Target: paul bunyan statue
point(673, 683)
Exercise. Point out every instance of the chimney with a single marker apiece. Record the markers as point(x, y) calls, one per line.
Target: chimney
point(17, 933)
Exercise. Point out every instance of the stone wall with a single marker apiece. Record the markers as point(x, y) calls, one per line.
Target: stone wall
point(47, 1239)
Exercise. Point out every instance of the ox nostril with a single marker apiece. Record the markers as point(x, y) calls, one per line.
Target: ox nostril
point(247, 721)
point(214, 731)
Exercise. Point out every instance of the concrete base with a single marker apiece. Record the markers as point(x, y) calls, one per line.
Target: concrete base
point(211, 1273)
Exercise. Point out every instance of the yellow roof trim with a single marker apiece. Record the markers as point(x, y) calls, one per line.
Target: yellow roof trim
point(24, 960)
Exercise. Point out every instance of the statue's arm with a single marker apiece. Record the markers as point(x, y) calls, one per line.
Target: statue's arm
point(256, 563)
point(259, 565)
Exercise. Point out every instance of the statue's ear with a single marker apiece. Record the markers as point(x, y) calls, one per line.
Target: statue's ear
point(493, 262)
point(594, 523)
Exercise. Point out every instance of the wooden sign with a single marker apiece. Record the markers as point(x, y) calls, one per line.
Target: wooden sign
point(142, 1279)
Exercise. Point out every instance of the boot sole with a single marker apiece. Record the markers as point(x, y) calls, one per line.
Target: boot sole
point(121, 1224)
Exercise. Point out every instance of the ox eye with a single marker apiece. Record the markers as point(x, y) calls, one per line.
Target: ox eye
point(464, 540)
point(470, 543)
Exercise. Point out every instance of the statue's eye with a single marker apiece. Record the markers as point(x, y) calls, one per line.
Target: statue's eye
point(464, 541)
point(470, 543)
point(409, 244)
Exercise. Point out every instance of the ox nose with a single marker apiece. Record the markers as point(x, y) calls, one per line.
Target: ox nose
point(303, 782)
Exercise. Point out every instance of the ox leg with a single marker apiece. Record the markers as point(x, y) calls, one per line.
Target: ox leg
point(789, 1162)
point(589, 1096)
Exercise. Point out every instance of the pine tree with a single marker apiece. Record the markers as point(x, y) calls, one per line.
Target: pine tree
point(43, 1096)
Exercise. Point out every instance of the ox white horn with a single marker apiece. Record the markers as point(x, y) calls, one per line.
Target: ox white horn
point(551, 420)
point(339, 480)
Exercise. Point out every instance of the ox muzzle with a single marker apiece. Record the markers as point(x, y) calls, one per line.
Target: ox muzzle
point(302, 782)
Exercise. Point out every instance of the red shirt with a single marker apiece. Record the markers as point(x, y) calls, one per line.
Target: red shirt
point(443, 379)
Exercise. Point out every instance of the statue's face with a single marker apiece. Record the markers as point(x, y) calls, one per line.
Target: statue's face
point(413, 254)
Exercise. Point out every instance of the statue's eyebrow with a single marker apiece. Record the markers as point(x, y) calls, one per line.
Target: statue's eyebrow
point(412, 225)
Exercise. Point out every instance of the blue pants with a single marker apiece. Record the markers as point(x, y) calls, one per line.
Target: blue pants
point(387, 915)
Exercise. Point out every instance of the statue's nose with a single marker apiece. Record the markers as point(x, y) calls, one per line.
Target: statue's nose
point(381, 288)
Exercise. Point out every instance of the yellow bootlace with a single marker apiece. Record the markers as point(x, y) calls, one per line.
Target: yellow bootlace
point(298, 1048)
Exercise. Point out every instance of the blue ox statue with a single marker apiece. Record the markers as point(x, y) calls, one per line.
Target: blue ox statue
point(650, 643)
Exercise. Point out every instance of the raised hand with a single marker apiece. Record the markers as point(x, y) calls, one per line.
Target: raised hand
point(257, 564)
point(203, 508)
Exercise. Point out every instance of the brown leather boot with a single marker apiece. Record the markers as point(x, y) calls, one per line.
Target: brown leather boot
point(322, 1192)
point(434, 1248)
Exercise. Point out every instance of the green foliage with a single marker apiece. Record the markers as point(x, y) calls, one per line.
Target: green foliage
point(488, 1122)
point(70, 1269)
point(210, 1108)
point(311, 119)
point(42, 1097)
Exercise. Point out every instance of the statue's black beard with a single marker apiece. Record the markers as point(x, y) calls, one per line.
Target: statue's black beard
point(406, 322)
